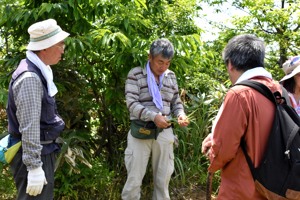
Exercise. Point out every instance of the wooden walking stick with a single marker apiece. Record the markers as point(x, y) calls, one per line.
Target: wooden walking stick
point(209, 185)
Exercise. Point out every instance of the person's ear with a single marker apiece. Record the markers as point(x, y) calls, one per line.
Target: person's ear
point(229, 66)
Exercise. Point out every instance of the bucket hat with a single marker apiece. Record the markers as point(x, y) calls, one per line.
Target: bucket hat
point(291, 67)
point(45, 34)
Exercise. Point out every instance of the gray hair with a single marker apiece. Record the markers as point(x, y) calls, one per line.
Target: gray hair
point(162, 47)
point(245, 52)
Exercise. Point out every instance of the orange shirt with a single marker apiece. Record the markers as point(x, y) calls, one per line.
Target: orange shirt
point(246, 113)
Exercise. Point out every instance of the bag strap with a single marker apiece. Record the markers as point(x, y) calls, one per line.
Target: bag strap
point(286, 96)
point(2, 135)
point(264, 90)
point(268, 94)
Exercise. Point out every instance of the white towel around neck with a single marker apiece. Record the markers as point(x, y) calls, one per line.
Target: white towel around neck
point(258, 71)
point(46, 72)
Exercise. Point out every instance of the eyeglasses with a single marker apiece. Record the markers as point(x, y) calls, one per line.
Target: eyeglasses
point(62, 46)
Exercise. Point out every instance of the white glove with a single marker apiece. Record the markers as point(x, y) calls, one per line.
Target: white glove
point(35, 181)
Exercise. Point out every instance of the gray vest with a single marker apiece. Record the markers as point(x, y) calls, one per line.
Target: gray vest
point(51, 124)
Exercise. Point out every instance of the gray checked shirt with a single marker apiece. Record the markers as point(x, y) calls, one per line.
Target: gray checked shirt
point(28, 93)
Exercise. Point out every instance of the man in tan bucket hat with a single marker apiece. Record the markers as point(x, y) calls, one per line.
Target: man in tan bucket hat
point(32, 114)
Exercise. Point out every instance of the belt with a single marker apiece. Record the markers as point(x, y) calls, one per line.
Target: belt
point(171, 126)
point(18, 136)
point(47, 142)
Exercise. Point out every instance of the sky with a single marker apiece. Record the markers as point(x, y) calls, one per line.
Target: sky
point(208, 14)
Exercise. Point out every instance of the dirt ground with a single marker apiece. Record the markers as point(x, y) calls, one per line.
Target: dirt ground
point(198, 194)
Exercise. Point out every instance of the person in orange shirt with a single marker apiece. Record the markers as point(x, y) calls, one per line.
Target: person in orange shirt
point(245, 113)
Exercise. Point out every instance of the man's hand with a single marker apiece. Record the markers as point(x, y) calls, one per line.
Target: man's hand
point(161, 121)
point(35, 181)
point(183, 120)
point(206, 144)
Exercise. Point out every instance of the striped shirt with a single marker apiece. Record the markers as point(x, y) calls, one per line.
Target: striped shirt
point(138, 99)
point(28, 94)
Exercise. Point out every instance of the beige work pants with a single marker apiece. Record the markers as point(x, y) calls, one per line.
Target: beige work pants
point(137, 154)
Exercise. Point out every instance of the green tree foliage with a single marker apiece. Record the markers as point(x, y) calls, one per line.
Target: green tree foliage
point(107, 39)
point(277, 22)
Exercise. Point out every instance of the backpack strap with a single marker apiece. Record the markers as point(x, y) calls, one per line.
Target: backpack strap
point(272, 97)
point(286, 96)
point(264, 90)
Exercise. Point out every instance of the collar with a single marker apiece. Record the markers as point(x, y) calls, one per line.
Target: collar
point(257, 71)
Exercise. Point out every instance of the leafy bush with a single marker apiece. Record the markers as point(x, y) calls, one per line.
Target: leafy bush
point(7, 187)
point(90, 183)
point(190, 164)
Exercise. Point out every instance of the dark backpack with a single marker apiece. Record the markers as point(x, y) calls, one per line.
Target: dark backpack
point(278, 175)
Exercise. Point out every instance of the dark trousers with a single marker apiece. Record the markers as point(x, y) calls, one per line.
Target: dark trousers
point(20, 173)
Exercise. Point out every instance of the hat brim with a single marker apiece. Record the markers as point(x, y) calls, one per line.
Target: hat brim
point(292, 74)
point(44, 44)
